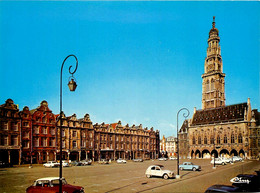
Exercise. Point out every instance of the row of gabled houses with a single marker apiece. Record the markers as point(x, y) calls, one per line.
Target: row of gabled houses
point(33, 136)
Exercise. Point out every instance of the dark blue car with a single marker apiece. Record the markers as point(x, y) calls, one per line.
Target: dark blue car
point(222, 188)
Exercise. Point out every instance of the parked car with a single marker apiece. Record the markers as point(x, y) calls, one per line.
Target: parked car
point(120, 160)
point(172, 158)
point(247, 182)
point(51, 164)
point(189, 166)
point(75, 163)
point(218, 161)
point(138, 160)
point(157, 170)
point(85, 162)
point(162, 159)
point(4, 164)
point(237, 158)
point(222, 188)
point(103, 161)
point(227, 160)
point(65, 163)
point(51, 185)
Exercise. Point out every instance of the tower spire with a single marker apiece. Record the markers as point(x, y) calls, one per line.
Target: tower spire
point(213, 86)
point(213, 23)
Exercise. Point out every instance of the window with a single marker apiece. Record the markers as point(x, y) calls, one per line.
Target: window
point(26, 134)
point(44, 119)
point(5, 125)
point(25, 124)
point(63, 144)
point(199, 140)
point(25, 144)
point(212, 140)
point(83, 143)
point(4, 140)
point(240, 139)
point(36, 129)
point(74, 134)
point(52, 142)
point(14, 126)
point(36, 142)
point(225, 138)
point(63, 133)
point(74, 144)
point(44, 142)
point(232, 138)
point(193, 140)
point(205, 140)
point(218, 140)
point(14, 140)
point(83, 134)
point(44, 130)
point(52, 131)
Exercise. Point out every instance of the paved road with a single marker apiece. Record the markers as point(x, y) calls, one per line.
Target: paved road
point(127, 177)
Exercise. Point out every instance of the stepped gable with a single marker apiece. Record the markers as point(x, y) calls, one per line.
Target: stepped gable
point(221, 114)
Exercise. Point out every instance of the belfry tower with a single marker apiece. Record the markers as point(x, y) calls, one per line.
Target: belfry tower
point(213, 82)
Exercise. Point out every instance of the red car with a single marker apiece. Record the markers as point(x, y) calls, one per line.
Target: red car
point(51, 185)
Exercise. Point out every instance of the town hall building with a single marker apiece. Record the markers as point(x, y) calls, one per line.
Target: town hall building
point(219, 129)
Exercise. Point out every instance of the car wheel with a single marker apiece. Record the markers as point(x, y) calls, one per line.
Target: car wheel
point(181, 168)
point(165, 176)
point(223, 163)
point(148, 176)
point(194, 169)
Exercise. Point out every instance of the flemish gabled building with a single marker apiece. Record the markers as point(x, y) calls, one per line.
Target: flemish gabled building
point(113, 141)
point(43, 134)
point(10, 132)
point(218, 129)
point(26, 135)
point(87, 137)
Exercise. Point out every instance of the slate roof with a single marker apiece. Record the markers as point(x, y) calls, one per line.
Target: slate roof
point(221, 114)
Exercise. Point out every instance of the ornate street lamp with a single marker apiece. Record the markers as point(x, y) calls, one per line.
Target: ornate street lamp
point(72, 86)
point(178, 155)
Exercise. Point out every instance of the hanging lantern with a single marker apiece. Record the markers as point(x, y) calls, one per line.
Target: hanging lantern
point(72, 85)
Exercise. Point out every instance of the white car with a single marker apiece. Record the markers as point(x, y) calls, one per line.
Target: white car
point(120, 160)
point(51, 164)
point(172, 158)
point(237, 158)
point(218, 161)
point(227, 160)
point(162, 159)
point(65, 163)
point(157, 170)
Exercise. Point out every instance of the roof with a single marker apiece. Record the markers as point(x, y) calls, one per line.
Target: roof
point(221, 114)
point(50, 178)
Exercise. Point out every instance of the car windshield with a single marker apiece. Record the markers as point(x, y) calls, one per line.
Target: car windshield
point(56, 182)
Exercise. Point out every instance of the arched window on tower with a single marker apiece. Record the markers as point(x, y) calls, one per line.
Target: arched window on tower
point(225, 138)
point(240, 139)
point(218, 140)
point(207, 86)
point(199, 140)
point(232, 138)
point(205, 140)
point(211, 139)
point(212, 87)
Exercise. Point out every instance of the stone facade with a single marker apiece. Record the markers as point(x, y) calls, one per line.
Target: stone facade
point(217, 129)
point(10, 133)
point(33, 136)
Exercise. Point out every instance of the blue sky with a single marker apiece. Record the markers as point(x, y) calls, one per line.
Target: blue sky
point(139, 62)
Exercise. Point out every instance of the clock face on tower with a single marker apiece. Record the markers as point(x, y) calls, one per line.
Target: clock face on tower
point(211, 67)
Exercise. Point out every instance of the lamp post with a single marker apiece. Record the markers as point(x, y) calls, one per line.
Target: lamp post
point(72, 86)
point(178, 155)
